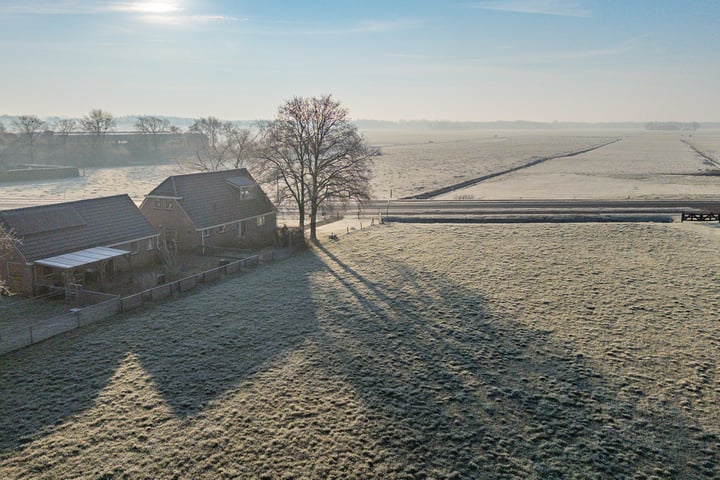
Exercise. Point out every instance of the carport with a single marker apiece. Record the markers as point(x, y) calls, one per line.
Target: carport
point(96, 257)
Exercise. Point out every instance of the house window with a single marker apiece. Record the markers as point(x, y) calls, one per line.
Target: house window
point(261, 220)
point(134, 248)
point(207, 232)
point(150, 244)
point(221, 229)
point(168, 204)
point(157, 203)
point(247, 193)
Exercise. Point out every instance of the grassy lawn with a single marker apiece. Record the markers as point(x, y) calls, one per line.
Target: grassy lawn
point(400, 351)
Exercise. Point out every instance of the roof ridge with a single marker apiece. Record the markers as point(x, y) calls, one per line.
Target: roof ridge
point(67, 204)
point(212, 172)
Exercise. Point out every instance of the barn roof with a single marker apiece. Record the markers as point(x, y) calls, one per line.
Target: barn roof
point(52, 230)
point(216, 198)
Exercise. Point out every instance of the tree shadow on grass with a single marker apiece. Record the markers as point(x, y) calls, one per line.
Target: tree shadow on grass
point(192, 349)
point(454, 390)
point(227, 335)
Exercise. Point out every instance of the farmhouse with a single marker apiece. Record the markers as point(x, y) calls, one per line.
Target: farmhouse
point(81, 243)
point(198, 211)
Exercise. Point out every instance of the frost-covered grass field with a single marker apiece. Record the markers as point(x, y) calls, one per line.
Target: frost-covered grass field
point(641, 165)
point(136, 181)
point(400, 351)
point(419, 161)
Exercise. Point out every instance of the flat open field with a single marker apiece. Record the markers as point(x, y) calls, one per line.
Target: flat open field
point(136, 181)
point(641, 165)
point(707, 141)
point(420, 161)
point(401, 351)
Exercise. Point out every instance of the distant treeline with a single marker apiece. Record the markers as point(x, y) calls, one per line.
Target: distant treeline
point(88, 150)
point(520, 125)
point(672, 126)
point(100, 139)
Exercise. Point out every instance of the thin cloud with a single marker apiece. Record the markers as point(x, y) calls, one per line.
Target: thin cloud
point(156, 12)
point(183, 20)
point(371, 26)
point(429, 64)
point(145, 7)
point(564, 8)
point(48, 8)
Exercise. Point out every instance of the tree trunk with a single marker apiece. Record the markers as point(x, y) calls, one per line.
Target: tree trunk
point(301, 212)
point(313, 221)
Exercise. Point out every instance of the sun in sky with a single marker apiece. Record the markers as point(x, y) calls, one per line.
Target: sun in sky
point(148, 7)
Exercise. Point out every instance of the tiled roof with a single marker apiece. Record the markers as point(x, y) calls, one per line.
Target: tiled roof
point(215, 198)
point(51, 230)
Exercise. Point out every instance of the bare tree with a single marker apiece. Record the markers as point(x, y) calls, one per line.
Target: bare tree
point(98, 123)
point(7, 140)
point(317, 154)
point(66, 126)
point(29, 128)
point(152, 126)
point(63, 129)
point(219, 144)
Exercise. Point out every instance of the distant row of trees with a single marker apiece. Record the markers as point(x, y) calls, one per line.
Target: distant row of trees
point(672, 126)
point(84, 141)
point(311, 152)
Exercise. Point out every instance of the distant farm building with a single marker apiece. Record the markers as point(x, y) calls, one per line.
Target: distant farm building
point(83, 242)
point(198, 211)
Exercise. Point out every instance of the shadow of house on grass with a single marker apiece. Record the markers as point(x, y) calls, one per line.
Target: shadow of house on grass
point(456, 391)
point(193, 349)
point(228, 333)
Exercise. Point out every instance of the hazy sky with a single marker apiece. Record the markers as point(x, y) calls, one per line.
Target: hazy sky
point(543, 60)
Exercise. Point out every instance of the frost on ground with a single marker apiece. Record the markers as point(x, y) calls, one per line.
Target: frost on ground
point(402, 351)
point(421, 161)
point(640, 165)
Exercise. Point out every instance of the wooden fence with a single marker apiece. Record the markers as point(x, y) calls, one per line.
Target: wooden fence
point(16, 336)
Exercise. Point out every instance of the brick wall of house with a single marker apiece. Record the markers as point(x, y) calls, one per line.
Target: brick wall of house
point(143, 253)
point(170, 220)
point(245, 234)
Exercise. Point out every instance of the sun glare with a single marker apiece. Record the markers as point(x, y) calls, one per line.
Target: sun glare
point(155, 8)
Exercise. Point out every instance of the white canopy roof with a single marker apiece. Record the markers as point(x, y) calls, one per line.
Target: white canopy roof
point(82, 257)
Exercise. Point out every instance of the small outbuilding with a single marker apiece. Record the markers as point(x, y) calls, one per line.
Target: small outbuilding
point(198, 211)
point(75, 243)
